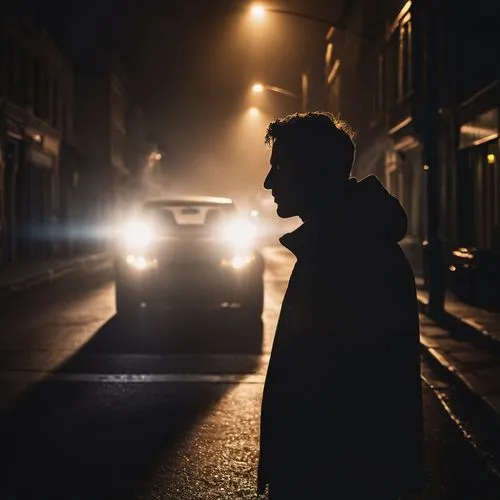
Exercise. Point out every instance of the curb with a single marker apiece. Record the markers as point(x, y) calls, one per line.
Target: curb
point(461, 329)
point(51, 274)
point(453, 376)
point(448, 370)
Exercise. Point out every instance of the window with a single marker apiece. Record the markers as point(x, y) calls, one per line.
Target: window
point(479, 188)
point(399, 58)
point(482, 128)
point(404, 63)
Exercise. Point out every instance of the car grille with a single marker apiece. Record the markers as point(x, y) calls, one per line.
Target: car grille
point(191, 270)
point(194, 283)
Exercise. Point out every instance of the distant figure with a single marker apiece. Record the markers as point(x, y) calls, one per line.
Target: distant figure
point(342, 407)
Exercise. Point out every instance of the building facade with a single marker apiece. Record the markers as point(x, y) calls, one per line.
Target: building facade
point(419, 90)
point(35, 112)
point(101, 132)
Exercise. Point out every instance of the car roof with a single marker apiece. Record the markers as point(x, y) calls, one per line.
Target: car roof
point(188, 200)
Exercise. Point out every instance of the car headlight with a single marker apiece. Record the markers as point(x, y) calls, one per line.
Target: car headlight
point(238, 261)
point(240, 232)
point(136, 235)
point(140, 262)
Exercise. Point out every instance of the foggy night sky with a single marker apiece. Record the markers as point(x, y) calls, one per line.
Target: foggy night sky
point(191, 64)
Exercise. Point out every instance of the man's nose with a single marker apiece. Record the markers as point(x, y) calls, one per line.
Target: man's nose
point(268, 181)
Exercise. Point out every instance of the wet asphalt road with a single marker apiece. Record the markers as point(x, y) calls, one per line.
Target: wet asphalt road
point(92, 409)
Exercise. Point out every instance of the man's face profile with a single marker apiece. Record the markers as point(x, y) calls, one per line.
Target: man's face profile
point(285, 180)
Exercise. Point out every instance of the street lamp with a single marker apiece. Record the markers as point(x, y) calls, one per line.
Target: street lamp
point(258, 88)
point(254, 112)
point(258, 12)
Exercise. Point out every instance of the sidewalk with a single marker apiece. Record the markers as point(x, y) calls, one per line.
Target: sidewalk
point(465, 342)
point(23, 275)
point(483, 324)
point(479, 325)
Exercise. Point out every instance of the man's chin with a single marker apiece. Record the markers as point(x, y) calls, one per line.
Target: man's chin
point(285, 212)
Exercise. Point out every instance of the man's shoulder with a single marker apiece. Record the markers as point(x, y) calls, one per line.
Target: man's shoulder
point(364, 249)
point(371, 260)
point(387, 256)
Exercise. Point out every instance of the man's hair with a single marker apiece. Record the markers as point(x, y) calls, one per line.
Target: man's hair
point(319, 137)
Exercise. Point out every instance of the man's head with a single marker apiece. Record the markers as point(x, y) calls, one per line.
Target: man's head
point(312, 155)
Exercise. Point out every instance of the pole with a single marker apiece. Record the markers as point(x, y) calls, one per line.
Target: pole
point(321, 20)
point(426, 115)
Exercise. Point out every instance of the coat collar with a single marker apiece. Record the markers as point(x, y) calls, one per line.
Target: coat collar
point(327, 223)
point(295, 240)
point(308, 237)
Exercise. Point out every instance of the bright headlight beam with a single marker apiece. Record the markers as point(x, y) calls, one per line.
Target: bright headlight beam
point(241, 232)
point(137, 234)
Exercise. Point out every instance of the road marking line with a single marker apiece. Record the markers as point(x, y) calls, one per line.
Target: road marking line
point(126, 378)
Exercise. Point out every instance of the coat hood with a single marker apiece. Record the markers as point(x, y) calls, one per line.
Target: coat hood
point(365, 211)
point(377, 212)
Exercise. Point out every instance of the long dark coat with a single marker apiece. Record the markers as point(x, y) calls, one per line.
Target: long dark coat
point(342, 407)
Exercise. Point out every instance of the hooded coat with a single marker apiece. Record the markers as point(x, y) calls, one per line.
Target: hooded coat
point(342, 403)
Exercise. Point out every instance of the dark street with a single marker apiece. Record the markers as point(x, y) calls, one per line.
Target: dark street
point(91, 410)
point(249, 250)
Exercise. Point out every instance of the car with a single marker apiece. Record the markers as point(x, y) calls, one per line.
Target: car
point(187, 254)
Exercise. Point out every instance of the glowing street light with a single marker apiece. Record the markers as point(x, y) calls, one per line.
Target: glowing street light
point(258, 88)
point(258, 12)
point(254, 112)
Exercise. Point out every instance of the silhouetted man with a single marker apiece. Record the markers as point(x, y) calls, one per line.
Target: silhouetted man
point(341, 410)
